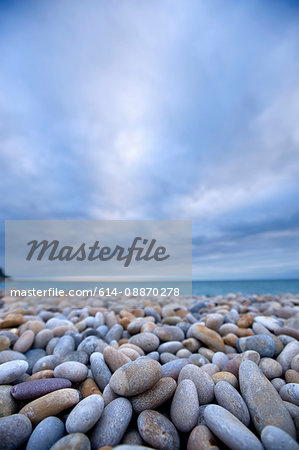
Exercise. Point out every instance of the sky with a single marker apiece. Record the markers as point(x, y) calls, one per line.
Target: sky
point(157, 110)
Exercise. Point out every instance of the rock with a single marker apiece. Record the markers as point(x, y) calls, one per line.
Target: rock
point(170, 347)
point(161, 392)
point(24, 342)
point(33, 356)
point(263, 401)
point(278, 383)
point(290, 393)
point(270, 368)
point(65, 345)
point(50, 404)
point(184, 409)
point(132, 438)
point(8, 405)
point(42, 374)
point(113, 424)
point(12, 320)
point(220, 359)
point(252, 355)
point(201, 439)
point(209, 337)
point(203, 382)
point(147, 341)
point(75, 356)
point(72, 370)
point(42, 338)
point(114, 358)
point(100, 371)
point(261, 343)
point(85, 414)
point(30, 390)
point(109, 395)
point(47, 432)
point(115, 333)
point(232, 366)
point(74, 441)
point(167, 357)
point(173, 368)
point(46, 363)
point(214, 321)
point(274, 438)
point(230, 430)
point(228, 377)
point(4, 343)
point(245, 321)
point(287, 354)
point(14, 431)
point(136, 377)
point(157, 431)
point(292, 376)
point(269, 322)
point(12, 370)
point(229, 398)
point(89, 387)
point(169, 333)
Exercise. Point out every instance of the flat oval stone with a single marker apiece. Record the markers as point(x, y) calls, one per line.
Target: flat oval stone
point(269, 322)
point(290, 393)
point(274, 438)
point(184, 409)
point(170, 347)
point(285, 357)
point(226, 376)
point(115, 333)
point(48, 431)
point(154, 397)
point(85, 414)
point(147, 341)
point(65, 345)
point(263, 401)
point(172, 368)
point(230, 430)
point(46, 363)
point(270, 368)
point(89, 387)
point(24, 342)
point(261, 343)
point(113, 424)
point(203, 382)
point(229, 398)
point(12, 370)
point(30, 390)
point(136, 377)
point(42, 338)
point(74, 441)
point(201, 439)
point(220, 359)
point(109, 395)
point(100, 371)
point(33, 356)
point(114, 358)
point(4, 343)
point(8, 405)
point(40, 375)
point(210, 338)
point(50, 404)
point(14, 431)
point(157, 431)
point(72, 370)
point(169, 333)
point(11, 355)
point(80, 357)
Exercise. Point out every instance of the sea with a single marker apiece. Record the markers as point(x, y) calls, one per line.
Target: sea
point(245, 287)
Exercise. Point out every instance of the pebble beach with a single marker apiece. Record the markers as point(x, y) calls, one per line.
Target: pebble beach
point(199, 373)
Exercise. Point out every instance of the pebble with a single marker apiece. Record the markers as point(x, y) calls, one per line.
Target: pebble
point(100, 371)
point(85, 414)
point(136, 377)
point(72, 370)
point(263, 401)
point(274, 438)
point(228, 377)
point(162, 391)
point(220, 359)
point(230, 430)
point(46, 363)
point(292, 376)
point(74, 441)
point(113, 424)
point(148, 342)
point(170, 347)
point(278, 383)
point(229, 398)
point(50, 404)
point(12, 320)
point(30, 390)
point(114, 358)
point(210, 338)
point(11, 355)
point(24, 342)
point(48, 431)
point(42, 374)
point(4, 343)
point(14, 431)
point(184, 409)
point(261, 343)
point(89, 387)
point(64, 346)
point(12, 370)
point(269, 322)
point(169, 333)
point(201, 438)
point(295, 363)
point(270, 368)
point(42, 338)
point(290, 393)
point(287, 354)
point(158, 431)
point(203, 382)
point(8, 405)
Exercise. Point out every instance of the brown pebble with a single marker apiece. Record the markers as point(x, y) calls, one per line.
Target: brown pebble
point(292, 376)
point(12, 320)
point(42, 374)
point(201, 438)
point(210, 338)
point(60, 331)
point(24, 342)
point(226, 376)
point(114, 358)
point(230, 339)
point(89, 387)
point(4, 343)
point(245, 321)
point(243, 332)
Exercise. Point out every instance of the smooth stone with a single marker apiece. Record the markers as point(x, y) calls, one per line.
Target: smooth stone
point(287, 354)
point(50, 404)
point(293, 409)
point(12, 320)
point(114, 358)
point(42, 338)
point(89, 387)
point(40, 375)
point(170, 347)
point(109, 395)
point(48, 362)
point(228, 377)
point(252, 355)
point(201, 417)
point(295, 363)
point(24, 342)
point(85, 414)
point(65, 345)
point(166, 357)
point(278, 383)
point(270, 368)
point(149, 342)
point(74, 441)
point(100, 371)
point(132, 438)
point(30, 390)
point(14, 431)
point(45, 434)
point(113, 424)
point(33, 356)
point(8, 405)
point(230, 430)
point(269, 322)
point(153, 355)
point(203, 382)
point(76, 356)
point(158, 431)
point(4, 343)
point(115, 333)
point(229, 398)
point(210, 338)
point(292, 376)
point(210, 369)
point(261, 343)
point(11, 355)
point(161, 392)
point(232, 366)
point(214, 321)
point(172, 368)
point(274, 438)
point(12, 370)
point(201, 438)
point(169, 333)
point(55, 322)
point(290, 393)
point(72, 370)
point(92, 344)
point(263, 401)
point(184, 409)
point(220, 359)
point(136, 377)
point(198, 360)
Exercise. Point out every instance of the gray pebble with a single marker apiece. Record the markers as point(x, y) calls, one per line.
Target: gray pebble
point(170, 347)
point(72, 441)
point(270, 368)
point(287, 354)
point(184, 409)
point(100, 371)
point(12, 370)
point(65, 345)
point(261, 343)
point(115, 333)
point(278, 383)
point(229, 398)
point(85, 414)
point(11, 355)
point(45, 363)
point(14, 431)
point(173, 368)
point(290, 393)
point(72, 370)
point(274, 438)
point(157, 431)
point(46, 433)
point(8, 405)
point(203, 382)
point(149, 342)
